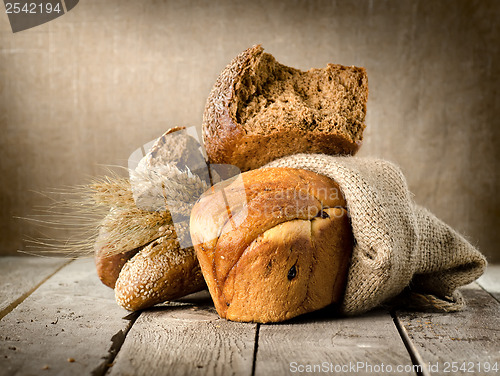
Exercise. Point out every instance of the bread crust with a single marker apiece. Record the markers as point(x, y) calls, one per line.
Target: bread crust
point(233, 146)
point(108, 267)
point(161, 271)
point(284, 217)
point(150, 274)
point(227, 141)
point(314, 248)
point(138, 250)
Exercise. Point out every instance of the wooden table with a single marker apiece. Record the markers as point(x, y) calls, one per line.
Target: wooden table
point(58, 319)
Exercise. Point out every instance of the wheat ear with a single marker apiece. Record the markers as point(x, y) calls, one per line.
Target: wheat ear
point(104, 212)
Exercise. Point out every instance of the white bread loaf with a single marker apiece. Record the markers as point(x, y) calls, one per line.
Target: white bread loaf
point(272, 244)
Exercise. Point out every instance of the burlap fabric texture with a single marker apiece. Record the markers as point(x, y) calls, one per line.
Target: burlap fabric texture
point(398, 244)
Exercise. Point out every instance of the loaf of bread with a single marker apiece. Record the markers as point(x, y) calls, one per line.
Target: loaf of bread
point(140, 251)
point(272, 244)
point(108, 266)
point(260, 110)
point(161, 271)
point(153, 273)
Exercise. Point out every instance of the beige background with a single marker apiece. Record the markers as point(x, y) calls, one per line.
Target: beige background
point(88, 88)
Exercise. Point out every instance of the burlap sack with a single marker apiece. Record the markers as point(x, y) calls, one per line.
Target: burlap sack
point(398, 244)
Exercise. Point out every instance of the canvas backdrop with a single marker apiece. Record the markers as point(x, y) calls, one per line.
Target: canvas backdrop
point(89, 88)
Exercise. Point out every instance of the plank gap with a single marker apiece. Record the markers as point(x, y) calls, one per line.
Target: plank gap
point(416, 358)
point(255, 348)
point(116, 344)
point(24, 296)
point(492, 294)
point(325, 342)
point(490, 281)
point(199, 342)
point(65, 327)
point(469, 338)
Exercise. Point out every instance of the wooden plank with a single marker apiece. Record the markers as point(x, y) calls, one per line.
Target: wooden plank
point(470, 338)
point(70, 325)
point(490, 281)
point(186, 337)
point(20, 276)
point(320, 343)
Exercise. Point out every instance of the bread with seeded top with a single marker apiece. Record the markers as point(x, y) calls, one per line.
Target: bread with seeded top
point(260, 110)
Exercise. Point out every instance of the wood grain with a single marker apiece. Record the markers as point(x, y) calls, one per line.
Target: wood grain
point(322, 340)
point(186, 338)
point(72, 316)
point(20, 276)
point(469, 337)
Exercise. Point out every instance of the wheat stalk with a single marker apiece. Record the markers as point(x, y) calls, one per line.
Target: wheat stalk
point(118, 213)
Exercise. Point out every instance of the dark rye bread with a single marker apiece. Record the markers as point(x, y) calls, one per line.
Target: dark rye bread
point(260, 110)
